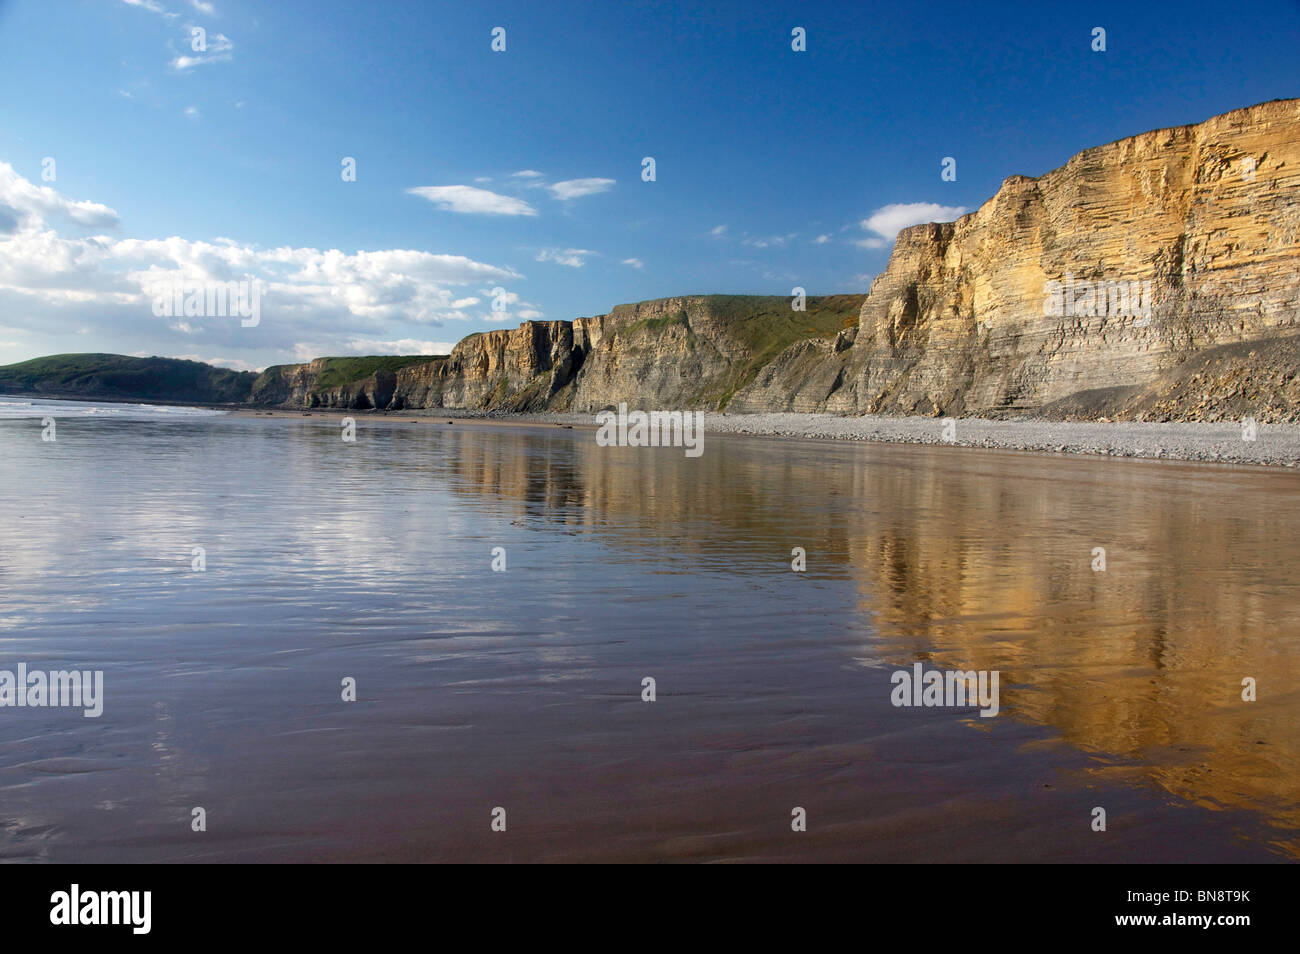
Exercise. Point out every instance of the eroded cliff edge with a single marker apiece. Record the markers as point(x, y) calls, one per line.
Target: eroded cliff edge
point(693, 351)
point(1207, 215)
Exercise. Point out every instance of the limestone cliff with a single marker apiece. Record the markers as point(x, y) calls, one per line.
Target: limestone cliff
point(522, 369)
point(1208, 215)
point(366, 382)
point(1080, 291)
point(693, 351)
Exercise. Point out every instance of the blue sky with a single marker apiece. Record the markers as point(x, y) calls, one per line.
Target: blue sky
point(774, 168)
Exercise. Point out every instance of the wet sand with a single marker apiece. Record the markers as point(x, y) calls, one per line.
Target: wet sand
point(522, 689)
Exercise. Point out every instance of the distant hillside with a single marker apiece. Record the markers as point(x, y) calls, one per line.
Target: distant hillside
point(115, 377)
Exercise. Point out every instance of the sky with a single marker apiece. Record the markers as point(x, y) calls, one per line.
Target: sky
point(494, 186)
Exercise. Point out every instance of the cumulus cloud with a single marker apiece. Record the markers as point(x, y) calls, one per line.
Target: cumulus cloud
point(203, 7)
point(577, 188)
point(23, 202)
point(573, 257)
point(889, 220)
point(56, 280)
point(718, 231)
point(634, 262)
point(821, 240)
point(471, 201)
point(526, 174)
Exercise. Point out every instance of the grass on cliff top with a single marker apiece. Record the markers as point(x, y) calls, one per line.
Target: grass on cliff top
point(767, 322)
point(345, 370)
point(766, 325)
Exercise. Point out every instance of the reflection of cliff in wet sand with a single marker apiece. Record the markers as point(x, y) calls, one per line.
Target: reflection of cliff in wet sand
point(983, 561)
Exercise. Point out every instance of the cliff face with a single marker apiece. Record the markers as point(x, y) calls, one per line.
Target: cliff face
point(686, 352)
point(287, 383)
point(523, 369)
point(520, 369)
point(365, 382)
point(956, 323)
point(1082, 290)
point(698, 351)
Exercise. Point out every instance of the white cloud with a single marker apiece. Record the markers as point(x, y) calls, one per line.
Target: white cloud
point(202, 7)
point(234, 364)
point(483, 179)
point(634, 262)
point(573, 257)
point(400, 346)
point(526, 174)
point(821, 240)
point(151, 5)
point(55, 283)
point(889, 220)
point(471, 201)
point(192, 112)
point(576, 188)
point(24, 203)
point(770, 241)
point(718, 231)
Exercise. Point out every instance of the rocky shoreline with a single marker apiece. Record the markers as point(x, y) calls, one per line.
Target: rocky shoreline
point(1275, 445)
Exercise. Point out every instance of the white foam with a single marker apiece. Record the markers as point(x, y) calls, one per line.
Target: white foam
point(14, 408)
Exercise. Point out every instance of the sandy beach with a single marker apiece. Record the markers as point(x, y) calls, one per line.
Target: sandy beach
point(522, 688)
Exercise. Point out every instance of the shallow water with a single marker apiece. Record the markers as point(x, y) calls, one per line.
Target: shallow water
point(35, 407)
point(522, 689)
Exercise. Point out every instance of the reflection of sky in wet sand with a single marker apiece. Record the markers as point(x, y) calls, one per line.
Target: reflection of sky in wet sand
point(371, 560)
